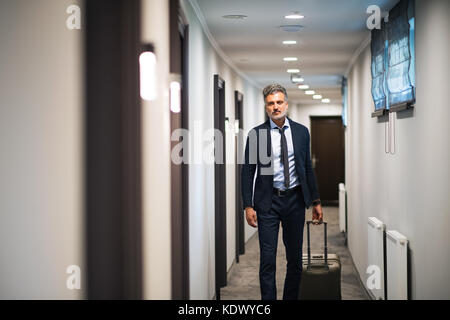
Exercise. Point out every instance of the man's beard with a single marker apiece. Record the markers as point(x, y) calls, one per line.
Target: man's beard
point(277, 117)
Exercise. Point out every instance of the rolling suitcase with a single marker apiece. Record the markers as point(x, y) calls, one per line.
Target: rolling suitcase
point(321, 274)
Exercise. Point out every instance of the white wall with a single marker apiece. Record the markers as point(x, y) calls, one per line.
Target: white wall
point(156, 160)
point(302, 112)
point(41, 103)
point(204, 62)
point(409, 191)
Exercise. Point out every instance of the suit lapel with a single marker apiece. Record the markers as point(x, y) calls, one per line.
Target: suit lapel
point(269, 139)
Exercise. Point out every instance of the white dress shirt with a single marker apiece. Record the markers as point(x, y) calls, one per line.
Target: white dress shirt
point(278, 176)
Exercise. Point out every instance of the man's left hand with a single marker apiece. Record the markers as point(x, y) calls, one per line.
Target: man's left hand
point(317, 214)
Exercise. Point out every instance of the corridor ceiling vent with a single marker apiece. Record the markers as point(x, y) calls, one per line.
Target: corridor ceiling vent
point(292, 28)
point(235, 16)
point(303, 86)
point(294, 16)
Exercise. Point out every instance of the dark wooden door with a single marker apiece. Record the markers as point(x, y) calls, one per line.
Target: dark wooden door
point(113, 150)
point(328, 156)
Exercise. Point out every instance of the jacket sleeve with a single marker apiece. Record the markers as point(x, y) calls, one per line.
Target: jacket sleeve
point(310, 176)
point(247, 176)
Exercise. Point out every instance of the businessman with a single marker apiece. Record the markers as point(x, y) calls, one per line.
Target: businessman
point(278, 151)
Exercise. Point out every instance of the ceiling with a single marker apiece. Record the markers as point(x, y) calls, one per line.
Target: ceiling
point(332, 31)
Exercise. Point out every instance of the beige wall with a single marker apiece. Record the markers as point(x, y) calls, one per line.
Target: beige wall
point(409, 190)
point(156, 159)
point(41, 134)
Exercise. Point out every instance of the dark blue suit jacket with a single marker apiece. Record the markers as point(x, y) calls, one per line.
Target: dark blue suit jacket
point(260, 161)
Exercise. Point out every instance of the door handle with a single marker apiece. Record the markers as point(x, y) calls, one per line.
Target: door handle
point(314, 161)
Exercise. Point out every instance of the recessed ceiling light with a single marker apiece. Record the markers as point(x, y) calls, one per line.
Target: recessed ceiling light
point(291, 28)
point(317, 97)
point(290, 59)
point(293, 70)
point(296, 78)
point(294, 16)
point(326, 100)
point(303, 86)
point(234, 16)
point(287, 42)
point(310, 92)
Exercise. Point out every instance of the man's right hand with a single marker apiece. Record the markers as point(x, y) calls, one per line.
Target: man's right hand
point(250, 215)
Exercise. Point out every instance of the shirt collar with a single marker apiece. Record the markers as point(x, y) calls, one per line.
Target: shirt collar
point(274, 126)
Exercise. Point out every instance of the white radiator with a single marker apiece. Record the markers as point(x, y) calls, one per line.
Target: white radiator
point(375, 259)
point(342, 205)
point(397, 265)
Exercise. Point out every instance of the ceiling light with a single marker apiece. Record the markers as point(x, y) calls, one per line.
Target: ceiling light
point(317, 97)
point(290, 59)
point(289, 42)
point(296, 78)
point(294, 16)
point(234, 16)
point(293, 70)
point(326, 100)
point(310, 92)
point(303, 86)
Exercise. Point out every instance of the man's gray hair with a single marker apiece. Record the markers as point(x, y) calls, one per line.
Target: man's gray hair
point(273, 88)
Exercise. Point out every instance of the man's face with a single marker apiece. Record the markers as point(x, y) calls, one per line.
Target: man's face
point(276, 106)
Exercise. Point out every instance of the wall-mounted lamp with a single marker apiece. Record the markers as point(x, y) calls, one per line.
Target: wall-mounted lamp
point(227, 124)
point(147, 67)
point(175, 96)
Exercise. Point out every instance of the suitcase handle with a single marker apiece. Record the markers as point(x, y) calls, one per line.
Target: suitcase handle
point(325, 243)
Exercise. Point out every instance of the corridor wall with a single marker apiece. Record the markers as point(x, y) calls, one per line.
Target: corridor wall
point(204, 62)
point(41, 143)
point(156, 159)
point(408, 190)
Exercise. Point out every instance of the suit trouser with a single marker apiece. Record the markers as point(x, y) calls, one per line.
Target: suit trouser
point(290, 210)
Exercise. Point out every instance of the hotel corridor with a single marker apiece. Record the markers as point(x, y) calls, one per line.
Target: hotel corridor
point(123, 130)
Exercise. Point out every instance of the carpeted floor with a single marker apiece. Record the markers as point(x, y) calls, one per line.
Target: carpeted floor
point(243, 278)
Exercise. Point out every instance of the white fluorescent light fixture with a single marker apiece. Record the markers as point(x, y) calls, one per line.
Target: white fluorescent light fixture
point(297, 79)
point(317, 97)
point(294, 16)
point(147, 67)
point(310, 92)
point(290, 59)
point(293, 70)
point(175, 96)
point(326, 100)
point(303, 86)
point(287, 42)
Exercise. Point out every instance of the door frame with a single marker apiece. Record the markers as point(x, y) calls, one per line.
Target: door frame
point(220, 188)
point(179, 65)
point(240, 226)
